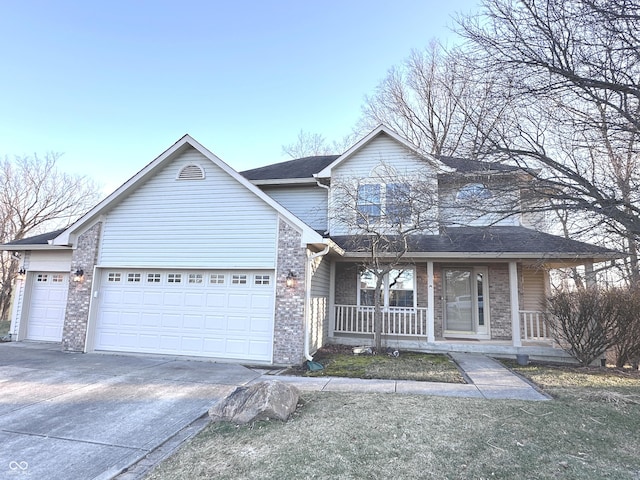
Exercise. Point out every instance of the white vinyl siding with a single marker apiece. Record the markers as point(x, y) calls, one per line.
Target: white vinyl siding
point(172, 223)
point(50, 261)
point(308, 203)
point(533, 289)
point(320, 284)
point(382, 160)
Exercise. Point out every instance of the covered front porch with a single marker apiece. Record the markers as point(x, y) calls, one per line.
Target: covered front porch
point(492, 307)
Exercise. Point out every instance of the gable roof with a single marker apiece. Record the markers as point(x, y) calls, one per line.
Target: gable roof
point(379, 130)
point(504, 242)
point(67, 236)
point(467, 165)
point(305, 167)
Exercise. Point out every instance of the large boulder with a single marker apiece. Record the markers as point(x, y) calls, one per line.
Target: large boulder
point(260, 401)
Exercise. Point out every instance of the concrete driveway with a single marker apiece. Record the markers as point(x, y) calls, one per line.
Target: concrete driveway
point(89, 416)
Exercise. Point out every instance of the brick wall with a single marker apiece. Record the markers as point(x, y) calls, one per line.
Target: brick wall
point(288, 342)
point(500, 301)
point(84, 257)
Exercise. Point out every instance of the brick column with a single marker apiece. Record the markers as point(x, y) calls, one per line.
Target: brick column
point(84, 257)
point(288, 341)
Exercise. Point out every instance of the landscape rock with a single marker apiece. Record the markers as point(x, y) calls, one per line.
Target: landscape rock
point(260, 401)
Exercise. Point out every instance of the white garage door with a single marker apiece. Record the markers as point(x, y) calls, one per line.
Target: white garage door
point(47, 306)
point(220, 314)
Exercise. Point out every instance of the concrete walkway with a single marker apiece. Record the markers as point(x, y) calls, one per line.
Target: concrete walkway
point(488, 379)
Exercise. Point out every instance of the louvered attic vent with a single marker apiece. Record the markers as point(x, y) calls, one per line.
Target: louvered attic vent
point(191, 172)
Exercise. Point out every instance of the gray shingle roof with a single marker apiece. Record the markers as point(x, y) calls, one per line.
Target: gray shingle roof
point(42, 239)
point(467, 165)
point(299, 168)
point(488, 240)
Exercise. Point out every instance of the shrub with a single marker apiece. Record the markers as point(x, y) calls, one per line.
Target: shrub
point(627, 336)
point(583, 322)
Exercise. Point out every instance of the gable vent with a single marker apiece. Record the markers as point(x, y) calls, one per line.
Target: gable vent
point(191, 172)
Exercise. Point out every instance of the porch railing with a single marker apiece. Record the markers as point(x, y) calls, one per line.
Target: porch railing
point(534, 325)
point(400, 321)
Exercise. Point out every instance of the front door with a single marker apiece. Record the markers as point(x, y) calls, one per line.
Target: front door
point(466, 311)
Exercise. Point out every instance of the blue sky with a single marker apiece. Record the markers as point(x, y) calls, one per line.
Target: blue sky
point(112, 84)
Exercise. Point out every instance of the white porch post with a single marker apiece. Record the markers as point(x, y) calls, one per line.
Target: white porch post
point(515, 304)
point(431, 337)
point(590, 276)
point(332, 299)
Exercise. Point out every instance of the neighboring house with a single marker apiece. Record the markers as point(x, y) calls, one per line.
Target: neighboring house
point(190, 257)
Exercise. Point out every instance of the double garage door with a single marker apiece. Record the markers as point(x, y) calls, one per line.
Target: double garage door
point(224, 314)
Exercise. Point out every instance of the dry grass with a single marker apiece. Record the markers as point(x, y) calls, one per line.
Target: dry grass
point(377, 436)
point(341, 362)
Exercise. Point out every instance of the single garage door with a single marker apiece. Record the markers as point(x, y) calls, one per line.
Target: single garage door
point(47, 306)
point(224, 314)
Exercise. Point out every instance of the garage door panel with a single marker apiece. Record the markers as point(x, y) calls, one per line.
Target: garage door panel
point(150, 320)
point(216, 300)
point(214, 317)
point(152, 299)
point(173, 299)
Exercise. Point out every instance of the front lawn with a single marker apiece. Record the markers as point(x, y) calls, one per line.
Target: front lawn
point(339, 361)
point(590, 431)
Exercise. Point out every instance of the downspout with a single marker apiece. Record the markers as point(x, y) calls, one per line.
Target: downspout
point(307, 302)
point(328, 189)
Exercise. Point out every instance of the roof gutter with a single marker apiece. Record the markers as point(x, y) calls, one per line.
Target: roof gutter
point(307, 301)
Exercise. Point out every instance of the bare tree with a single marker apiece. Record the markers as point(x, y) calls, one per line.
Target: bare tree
point(570, 71)
point(381, 214)
point(36, 197)
point(436, 100)
point(311, 144)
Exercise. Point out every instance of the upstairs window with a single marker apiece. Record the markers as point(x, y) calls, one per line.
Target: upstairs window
point(473, 192)
point(368, 203)
point(398, 203)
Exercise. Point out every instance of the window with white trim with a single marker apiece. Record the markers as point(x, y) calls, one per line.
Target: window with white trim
point(174, 278)
point(57, 278)
point(368, 203)
point(133, 277)
point(216, 279)
point(472, 192)
point(153, 278)
point(398, 288)
point(42, 278)
point(195, 278)
point(238, 279)
point(114, 277)
point(398, 203)
point(262, 279)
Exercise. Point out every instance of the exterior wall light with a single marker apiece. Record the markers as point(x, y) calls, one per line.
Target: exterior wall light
point(21, 274)
point(291, 280)
point(78, 276)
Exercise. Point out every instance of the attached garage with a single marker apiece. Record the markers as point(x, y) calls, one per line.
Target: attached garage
point(47, 306)
point(223, 314)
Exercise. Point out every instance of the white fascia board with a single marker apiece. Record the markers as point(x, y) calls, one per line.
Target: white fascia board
point(285, 181)
point(492, 256)
point(326, 172)
point(65, 237)
point(40, 246)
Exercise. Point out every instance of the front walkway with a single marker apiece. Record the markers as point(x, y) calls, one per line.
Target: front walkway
point(488, 379)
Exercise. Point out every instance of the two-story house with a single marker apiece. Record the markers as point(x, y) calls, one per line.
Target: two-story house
point(190, 257)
